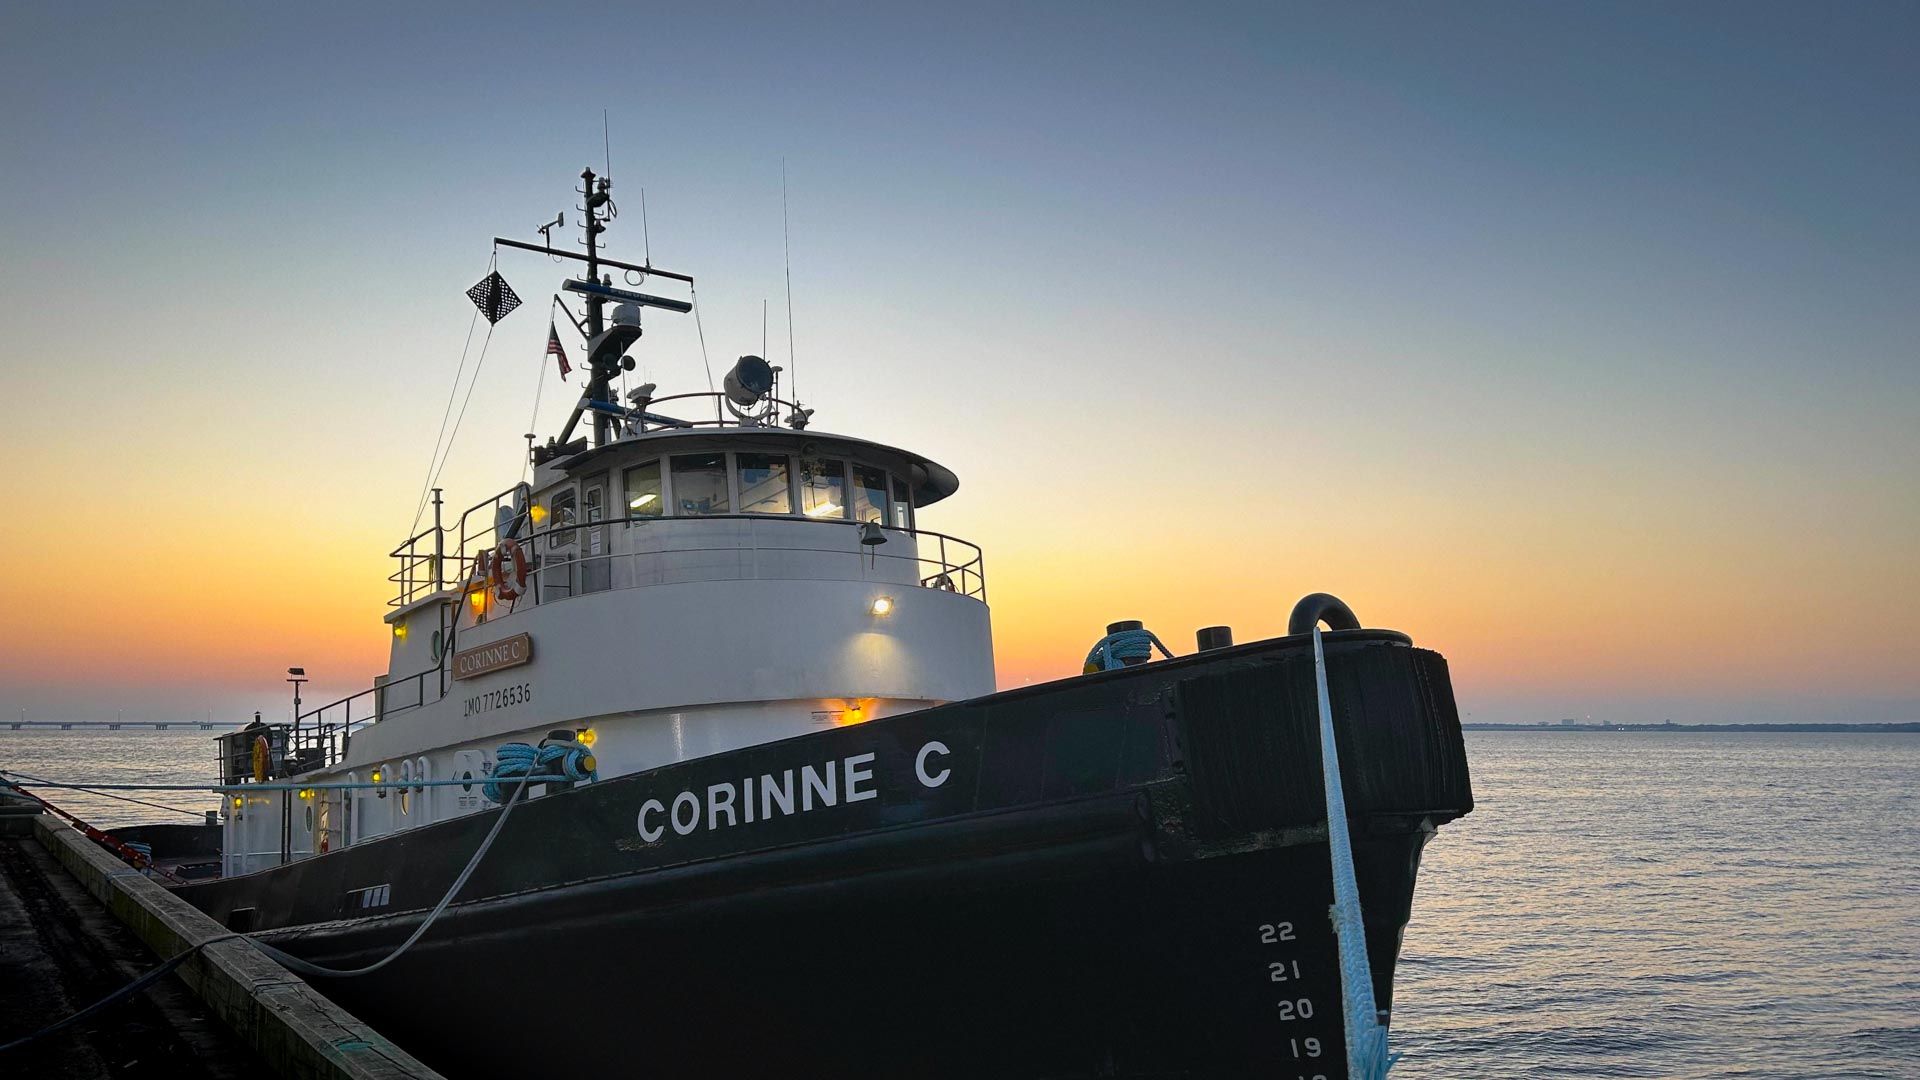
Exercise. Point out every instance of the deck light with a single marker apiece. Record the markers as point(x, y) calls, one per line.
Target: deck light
point(236, 801)
point(400, 631)
point(586, 737)
point(883, 605)
point(537, 512)
point(376, 776)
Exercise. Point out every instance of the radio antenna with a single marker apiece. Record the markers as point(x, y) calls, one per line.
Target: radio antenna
point(606, 143)
point(786, 245)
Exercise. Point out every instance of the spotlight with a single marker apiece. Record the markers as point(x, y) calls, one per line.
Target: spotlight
point(750, 380)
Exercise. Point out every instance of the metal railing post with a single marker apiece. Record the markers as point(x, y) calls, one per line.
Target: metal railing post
point(439, 546)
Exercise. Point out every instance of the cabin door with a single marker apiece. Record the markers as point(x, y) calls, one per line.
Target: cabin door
point(596, 565)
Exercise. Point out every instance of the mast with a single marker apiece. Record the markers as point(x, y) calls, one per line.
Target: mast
point(607, 339)
point(599, 386)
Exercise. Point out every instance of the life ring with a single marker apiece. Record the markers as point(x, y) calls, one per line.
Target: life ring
point(261, 755)
point(509, 572)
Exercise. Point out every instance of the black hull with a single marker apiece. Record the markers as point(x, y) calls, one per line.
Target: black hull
point(1123, 875)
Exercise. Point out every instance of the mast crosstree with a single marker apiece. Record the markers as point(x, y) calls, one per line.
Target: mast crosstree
point(609, 334)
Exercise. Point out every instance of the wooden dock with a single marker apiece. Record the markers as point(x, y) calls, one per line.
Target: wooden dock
point(76, 924)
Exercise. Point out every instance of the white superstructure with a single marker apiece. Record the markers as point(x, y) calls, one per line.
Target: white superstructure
point(675, 589)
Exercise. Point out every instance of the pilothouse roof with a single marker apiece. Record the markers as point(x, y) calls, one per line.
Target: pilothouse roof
point(929, 480)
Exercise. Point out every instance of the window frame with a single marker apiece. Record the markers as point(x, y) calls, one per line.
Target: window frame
point(664, 499)
point(846, 497)
point(726, 479)
point(861, 492)
point(734, 472)
point(570, 492)
point(895, 485)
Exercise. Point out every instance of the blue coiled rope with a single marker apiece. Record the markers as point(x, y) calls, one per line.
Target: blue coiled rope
point(555, 761)
point(1116, 649)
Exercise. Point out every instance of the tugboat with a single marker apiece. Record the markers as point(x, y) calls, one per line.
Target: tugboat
point(768, 815)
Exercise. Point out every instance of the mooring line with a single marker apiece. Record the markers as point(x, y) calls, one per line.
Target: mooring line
point(1367, 1055)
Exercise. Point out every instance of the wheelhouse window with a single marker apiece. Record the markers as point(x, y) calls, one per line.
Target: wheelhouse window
point(560, 512)
point(643, 493)
point(763, 484)
point(869, 494)
point(902, 505)
point(823, 487)
point(700, 484)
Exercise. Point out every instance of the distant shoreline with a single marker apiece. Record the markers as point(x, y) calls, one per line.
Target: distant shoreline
point(1860, 729)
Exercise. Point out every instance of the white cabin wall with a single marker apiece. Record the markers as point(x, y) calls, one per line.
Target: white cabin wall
point(410, 633)
point(702, 643)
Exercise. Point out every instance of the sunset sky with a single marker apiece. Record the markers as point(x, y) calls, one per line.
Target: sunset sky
point(1582, 345)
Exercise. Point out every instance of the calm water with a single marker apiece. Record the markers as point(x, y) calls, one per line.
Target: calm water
point(127, 756)
point(1657, 905)
point(1671, 905)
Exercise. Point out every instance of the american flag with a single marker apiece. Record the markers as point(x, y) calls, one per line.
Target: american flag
point(554, 349)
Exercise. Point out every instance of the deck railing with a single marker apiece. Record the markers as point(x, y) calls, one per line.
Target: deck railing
point(319, 738)
point(946, 562)
point(938, 561)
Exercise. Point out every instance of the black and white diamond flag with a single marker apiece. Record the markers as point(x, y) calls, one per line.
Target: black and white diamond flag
point(494, 297)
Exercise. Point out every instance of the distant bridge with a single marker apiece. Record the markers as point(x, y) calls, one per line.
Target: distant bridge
point(116, 725)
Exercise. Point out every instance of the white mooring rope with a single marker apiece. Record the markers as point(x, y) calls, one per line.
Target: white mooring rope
point(1367, 1055)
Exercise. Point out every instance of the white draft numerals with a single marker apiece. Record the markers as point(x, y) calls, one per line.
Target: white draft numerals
point(1287, 969)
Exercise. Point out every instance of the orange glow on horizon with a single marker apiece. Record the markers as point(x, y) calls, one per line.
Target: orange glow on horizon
point(1572, 614)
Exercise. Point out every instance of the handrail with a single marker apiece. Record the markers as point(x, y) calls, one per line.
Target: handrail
point(974, 567)
point(640, 414)
point(311, 742)
point(463, 563)
point(389, 684)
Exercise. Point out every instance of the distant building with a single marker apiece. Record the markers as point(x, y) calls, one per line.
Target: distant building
point(1568, 722)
